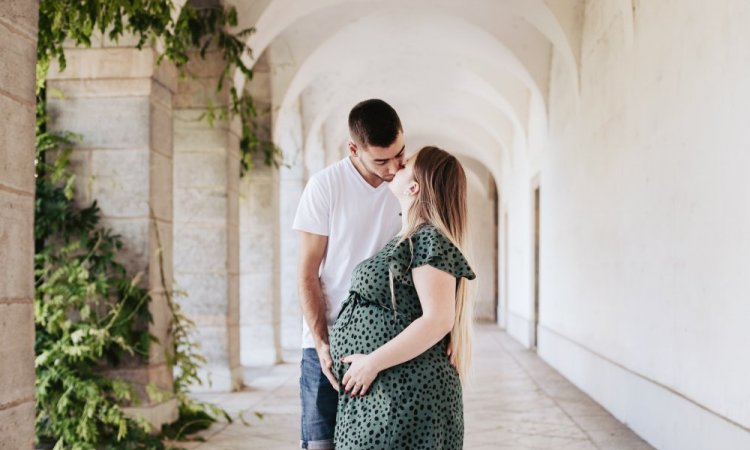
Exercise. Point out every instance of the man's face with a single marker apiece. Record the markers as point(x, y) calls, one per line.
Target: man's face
point(382, 162)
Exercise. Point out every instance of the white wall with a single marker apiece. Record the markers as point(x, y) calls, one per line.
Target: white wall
point(645, 217)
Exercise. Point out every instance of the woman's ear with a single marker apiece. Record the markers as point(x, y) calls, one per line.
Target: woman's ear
point(413, 188)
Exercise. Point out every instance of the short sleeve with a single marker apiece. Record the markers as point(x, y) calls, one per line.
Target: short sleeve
point(313, 211)
point(428, 246)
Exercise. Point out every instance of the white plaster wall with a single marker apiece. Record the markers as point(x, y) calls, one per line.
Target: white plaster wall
point(482, 239)
point(645, 212)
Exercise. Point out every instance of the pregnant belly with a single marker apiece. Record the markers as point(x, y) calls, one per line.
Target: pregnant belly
point(363, 327)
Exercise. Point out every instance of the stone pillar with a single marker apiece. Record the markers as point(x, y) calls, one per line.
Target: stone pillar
point(260, 305)
point(18, 33)
point(292, 183)
point(206, 244)
point(120, 101)
point(260, 312)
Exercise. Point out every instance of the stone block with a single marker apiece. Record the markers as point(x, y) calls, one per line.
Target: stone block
point(93, 63)
point(22, 15)
point(256, 249)
point(160, 248)
point(234, 347)
point(17, 146)
point(200, 205)
point(121, 182)
point(259, 349)
point(92, 88)
point(141, 374)
point(233, 299)
point(256, 298)
point(17, 337)
point(233, 207)
point(104, 122)
point(162, 320)
point(206, 295)
point(200, 169)
point(161, 129)
point(260, 86)
point(80, 164)
point(209, 67)
point(16, 246)
point(193, 133)
point(167, 76)
point(134, 235)
point(200, 249)
point(201, 93)
point(214, 344)
point(157, 415)
point(233, 249)
point(18, 65)
point(17, 427)
point(161, 185)
point(233, 169)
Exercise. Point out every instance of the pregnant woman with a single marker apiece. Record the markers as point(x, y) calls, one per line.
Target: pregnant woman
point(402, 342)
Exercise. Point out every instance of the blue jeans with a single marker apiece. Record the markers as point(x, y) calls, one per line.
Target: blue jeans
point(319, 403)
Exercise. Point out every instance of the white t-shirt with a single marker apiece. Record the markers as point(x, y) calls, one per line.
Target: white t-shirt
point(358, 220)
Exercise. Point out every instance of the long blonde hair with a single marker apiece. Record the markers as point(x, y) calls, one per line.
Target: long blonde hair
point(441, 202)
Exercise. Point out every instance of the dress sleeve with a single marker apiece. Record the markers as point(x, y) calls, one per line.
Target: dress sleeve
point(428, 246)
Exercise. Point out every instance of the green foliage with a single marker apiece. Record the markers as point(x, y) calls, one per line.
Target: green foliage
point(91, 315)
point(191, 30)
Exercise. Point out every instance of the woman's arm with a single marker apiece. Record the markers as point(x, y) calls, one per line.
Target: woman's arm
point(437, 294)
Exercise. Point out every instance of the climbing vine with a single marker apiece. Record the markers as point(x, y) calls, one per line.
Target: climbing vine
point(193, 29)
point(91, 314)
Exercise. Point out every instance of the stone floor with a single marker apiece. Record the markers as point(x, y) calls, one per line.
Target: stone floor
point(516, 402)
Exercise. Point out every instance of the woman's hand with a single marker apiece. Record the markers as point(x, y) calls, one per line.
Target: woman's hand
point(360, 375)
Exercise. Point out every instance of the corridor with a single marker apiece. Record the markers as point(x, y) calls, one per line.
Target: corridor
point(605, 146)
point(516, 402)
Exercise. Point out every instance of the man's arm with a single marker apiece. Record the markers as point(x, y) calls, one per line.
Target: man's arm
point(312, 299)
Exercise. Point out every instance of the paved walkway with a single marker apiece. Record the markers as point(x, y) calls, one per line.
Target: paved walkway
point(516, 402)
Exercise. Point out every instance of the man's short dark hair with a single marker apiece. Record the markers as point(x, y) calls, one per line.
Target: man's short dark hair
point(374, 123)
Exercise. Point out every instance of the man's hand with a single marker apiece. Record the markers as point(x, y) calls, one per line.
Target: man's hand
point(326, 363)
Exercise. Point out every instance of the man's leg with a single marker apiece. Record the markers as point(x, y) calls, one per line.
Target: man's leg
point(319, 403)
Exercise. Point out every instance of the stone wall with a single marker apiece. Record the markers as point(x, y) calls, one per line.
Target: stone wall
point(120, 101)
point(18, 33)
point(206, 210)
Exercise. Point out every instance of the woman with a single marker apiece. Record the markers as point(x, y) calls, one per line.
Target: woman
point(401, 343)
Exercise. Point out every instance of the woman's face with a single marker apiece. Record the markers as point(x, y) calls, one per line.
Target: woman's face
point(403, 179)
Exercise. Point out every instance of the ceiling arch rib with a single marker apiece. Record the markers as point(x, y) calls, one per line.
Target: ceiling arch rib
point(480, 106)
point(278, 15)
point(379, 34)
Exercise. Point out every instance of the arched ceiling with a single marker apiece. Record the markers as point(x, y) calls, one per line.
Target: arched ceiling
point(470, 72)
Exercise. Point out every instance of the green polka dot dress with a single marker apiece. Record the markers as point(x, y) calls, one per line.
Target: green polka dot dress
point(414, 405)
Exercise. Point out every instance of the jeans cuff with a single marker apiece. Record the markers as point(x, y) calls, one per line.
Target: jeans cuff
point(326, 444)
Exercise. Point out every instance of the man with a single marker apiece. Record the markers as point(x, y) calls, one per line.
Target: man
point(346, 214)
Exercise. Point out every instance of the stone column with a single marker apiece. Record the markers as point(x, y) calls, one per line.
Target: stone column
point(120, 101)
point(260, 314)
point(260, 306)
point(292, 183)
point(18, 33)
point(206, 245)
